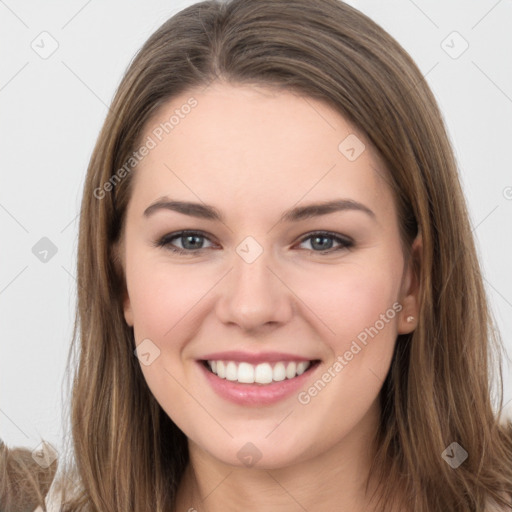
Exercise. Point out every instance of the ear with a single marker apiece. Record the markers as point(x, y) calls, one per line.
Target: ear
point(127, 308)
point(118, 261)
point(410, 289)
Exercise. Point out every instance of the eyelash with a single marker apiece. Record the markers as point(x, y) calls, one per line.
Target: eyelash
point(165, 241)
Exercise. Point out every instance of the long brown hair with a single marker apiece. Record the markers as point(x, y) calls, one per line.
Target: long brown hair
point(128, 454)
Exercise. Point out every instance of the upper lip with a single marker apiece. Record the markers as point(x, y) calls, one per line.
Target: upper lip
point(260, 357)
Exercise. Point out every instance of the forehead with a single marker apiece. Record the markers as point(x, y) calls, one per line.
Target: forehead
point(249, 147)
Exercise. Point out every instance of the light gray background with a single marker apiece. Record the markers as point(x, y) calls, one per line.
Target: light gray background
point(52, 110)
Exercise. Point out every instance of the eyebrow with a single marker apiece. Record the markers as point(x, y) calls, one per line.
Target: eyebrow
point(204, 211)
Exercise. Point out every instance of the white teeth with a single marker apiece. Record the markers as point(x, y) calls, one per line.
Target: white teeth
point(291, 370)
point(231, 371)
point(262, 373)
point(245, 373)
point(221, 370)
point(301, 367)
point(279, 372)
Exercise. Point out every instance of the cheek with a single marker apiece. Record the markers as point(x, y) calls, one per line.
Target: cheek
point(361, 307)
point(163, 295)
point(352, 298)
point(164, 299)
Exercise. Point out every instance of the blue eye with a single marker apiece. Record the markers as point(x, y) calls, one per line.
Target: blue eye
point(318, 240)
point(192, 242)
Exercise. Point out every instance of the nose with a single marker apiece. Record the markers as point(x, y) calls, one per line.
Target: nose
point(254, 295)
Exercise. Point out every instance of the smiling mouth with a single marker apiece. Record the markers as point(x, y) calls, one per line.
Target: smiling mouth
point(263, 373)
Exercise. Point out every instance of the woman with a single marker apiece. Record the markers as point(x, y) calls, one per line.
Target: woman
point(263, 369)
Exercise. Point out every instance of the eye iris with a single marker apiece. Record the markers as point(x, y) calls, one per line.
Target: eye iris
point(322, 246)
point(189, 237)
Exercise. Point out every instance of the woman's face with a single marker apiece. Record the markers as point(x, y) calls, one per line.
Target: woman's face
point(257, 287)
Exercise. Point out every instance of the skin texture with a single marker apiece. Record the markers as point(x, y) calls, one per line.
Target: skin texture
point(253, 153)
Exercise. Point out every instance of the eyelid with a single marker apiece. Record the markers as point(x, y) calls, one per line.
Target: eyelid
point(343, 238)
point(166, 239)
point(164, 242)
point(345, 241)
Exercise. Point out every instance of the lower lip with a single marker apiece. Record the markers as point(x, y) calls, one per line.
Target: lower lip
point(256, 394)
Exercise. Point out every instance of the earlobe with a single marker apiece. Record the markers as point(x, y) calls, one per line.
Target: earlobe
point(410, 293)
